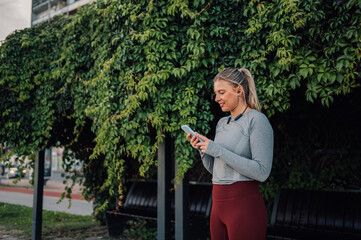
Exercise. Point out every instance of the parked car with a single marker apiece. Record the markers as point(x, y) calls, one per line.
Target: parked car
point(14, 172)
point(2, 169)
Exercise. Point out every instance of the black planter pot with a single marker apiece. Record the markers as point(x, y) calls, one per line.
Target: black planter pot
point(115, 223)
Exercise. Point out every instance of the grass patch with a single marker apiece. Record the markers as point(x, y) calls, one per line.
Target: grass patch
point(15, 186)
point(16, 221)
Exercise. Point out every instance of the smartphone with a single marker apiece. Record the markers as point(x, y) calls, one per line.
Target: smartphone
point(187, 129)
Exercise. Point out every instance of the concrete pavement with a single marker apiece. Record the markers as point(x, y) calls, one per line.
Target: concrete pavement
point(22, 194)
point(79, 207)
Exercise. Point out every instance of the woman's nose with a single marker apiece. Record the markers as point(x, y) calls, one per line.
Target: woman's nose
point(217, 98)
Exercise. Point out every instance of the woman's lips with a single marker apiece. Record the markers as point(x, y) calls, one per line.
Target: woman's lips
point(221, 105)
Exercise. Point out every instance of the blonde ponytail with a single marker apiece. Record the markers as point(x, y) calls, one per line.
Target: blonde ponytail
point(252, 99)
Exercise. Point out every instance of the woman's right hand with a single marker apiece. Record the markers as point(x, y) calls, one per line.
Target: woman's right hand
point(194, 140)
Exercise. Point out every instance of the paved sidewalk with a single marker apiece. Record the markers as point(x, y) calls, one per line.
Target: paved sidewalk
point(52, 188)
point(22, 194)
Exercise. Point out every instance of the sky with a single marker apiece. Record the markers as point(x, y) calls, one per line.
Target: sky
point(14, 14)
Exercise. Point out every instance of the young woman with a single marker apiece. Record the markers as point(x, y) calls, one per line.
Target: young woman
point(239, 157)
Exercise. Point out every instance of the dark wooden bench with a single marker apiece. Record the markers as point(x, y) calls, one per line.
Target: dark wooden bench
point(311, 214)
point(141, 202)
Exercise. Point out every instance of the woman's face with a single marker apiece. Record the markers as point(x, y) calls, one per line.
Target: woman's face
point(226, 95)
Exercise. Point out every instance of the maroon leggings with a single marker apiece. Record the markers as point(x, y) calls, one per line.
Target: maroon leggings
point(238, 212)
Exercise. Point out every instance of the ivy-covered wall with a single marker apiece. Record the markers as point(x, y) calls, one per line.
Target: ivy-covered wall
point(109, 82)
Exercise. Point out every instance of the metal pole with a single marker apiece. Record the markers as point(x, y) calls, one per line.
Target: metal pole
point(49, 7)
point(32, 14)
point(163, 190)
point(182, 209)
point(38, 196)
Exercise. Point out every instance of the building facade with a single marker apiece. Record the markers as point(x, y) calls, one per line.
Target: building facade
point(45, 10)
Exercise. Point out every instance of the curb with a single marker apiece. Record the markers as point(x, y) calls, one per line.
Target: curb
point(46, 193)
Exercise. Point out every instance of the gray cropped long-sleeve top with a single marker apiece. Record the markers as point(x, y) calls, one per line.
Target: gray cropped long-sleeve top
point(241, 151)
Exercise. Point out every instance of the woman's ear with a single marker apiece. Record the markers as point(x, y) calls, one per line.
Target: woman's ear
point(239, 90)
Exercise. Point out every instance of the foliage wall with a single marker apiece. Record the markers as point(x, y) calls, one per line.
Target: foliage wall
point(110, 81)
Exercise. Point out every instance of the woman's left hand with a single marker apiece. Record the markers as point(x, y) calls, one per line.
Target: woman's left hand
point(202, 145)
